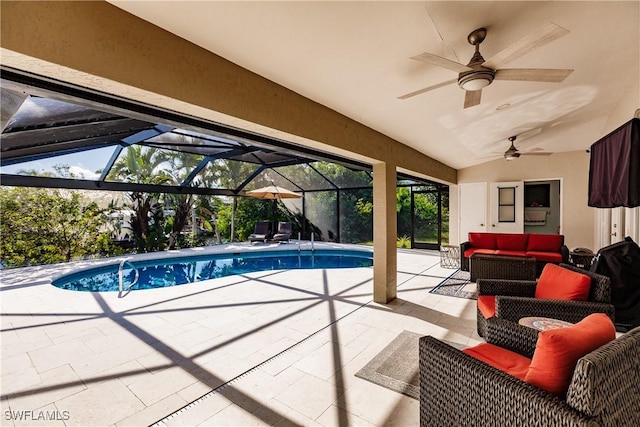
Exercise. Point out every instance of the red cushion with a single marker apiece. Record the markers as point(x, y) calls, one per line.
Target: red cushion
point(483, 240)
point(472, 251)
point(545, 256)
point(558, 350)
point(545, 242)
point(501, 358)
point(487, 305)
point(556, 282)
point(512, 242)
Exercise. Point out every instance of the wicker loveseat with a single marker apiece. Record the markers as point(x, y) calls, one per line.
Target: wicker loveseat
point(515, 299)
point(457, 389)
point(543, 247)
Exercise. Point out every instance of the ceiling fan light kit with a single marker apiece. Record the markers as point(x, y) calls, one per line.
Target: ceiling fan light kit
point(476, 80)
point(513, 153)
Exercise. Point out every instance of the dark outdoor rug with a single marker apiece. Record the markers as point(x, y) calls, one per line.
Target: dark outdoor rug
point(396, 366)
point(456, 285)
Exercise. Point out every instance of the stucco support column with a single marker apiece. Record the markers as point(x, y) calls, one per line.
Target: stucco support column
point(385, 255)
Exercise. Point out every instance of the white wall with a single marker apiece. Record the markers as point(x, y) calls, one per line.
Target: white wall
point(624, 111)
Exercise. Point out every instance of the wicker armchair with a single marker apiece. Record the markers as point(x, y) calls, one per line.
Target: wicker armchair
point(457, 389)
point(515, 300)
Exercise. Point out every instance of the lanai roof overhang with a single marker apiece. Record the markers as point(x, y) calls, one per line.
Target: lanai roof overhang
point(44, 120)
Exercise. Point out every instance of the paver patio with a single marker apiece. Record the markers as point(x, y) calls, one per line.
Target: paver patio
point(278, 347)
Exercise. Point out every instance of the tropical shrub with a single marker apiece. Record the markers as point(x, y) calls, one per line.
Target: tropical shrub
point(44, 226)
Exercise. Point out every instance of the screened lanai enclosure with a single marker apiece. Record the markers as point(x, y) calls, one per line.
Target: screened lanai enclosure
point(55, 135)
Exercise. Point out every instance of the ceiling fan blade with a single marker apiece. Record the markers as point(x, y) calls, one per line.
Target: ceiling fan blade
point(553, 75)
point(539, 38)
point(535, 154)
point(427, 89)
point(495, 155)
point(472, 97)
point(441, 62)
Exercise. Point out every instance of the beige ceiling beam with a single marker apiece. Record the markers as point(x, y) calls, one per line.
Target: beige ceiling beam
point(100, 46)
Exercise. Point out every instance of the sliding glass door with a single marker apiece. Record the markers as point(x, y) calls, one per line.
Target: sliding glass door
point(430, 217)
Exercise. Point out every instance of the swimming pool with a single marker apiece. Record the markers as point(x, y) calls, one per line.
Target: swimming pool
point(160, 273)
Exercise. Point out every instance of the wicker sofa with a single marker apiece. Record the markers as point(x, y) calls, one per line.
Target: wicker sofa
point(543, 247)
point(515, 299)
point(457, 389)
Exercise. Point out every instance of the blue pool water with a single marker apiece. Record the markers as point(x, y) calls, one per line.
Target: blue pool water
point(161, 273)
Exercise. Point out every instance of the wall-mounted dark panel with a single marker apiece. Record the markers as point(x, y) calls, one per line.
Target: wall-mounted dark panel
point(614, 172)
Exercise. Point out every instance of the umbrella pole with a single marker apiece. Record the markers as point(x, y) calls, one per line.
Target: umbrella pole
point(274, 229)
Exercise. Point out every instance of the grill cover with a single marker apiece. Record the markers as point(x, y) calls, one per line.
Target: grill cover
point(621, 263)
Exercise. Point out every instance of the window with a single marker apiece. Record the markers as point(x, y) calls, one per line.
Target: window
point(507, 204)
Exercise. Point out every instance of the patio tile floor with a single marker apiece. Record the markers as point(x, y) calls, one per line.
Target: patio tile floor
point(284, 346)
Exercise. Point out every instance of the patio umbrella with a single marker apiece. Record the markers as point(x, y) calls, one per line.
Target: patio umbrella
point(275, 193)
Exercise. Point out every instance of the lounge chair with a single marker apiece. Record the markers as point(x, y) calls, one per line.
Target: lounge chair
point(261, 232)
point(284, 232)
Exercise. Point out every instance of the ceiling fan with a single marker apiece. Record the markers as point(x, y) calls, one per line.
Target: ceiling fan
point(479, 73)
point(513, 153)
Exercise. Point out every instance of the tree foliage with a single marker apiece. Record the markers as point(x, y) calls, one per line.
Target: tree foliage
point(180, 166)
point(228, 174)
point(48, 226)
point(147, 166)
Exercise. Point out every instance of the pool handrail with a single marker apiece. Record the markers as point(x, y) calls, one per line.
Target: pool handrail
point(121, 277)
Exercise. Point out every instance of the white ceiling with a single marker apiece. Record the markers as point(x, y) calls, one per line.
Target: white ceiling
point(354, 57)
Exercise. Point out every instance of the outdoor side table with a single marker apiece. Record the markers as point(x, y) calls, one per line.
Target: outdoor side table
point(543, 323)
point(449, 256)
point(485, 266)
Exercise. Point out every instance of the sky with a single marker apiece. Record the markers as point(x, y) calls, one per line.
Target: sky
point(83, 164)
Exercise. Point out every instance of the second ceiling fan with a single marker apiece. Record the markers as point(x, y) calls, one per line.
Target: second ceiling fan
point(479, 73)
point(513, 153)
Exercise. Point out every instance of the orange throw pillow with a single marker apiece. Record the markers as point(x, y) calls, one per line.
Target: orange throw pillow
point(487, 305)
point(556, 282)
point(558, 350)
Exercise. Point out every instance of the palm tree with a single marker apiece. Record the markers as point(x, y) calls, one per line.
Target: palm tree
point(138, 164)
point(203, 207)
point(143, 165)
point(208, 214)
point(229, 173)
point(181, 165)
